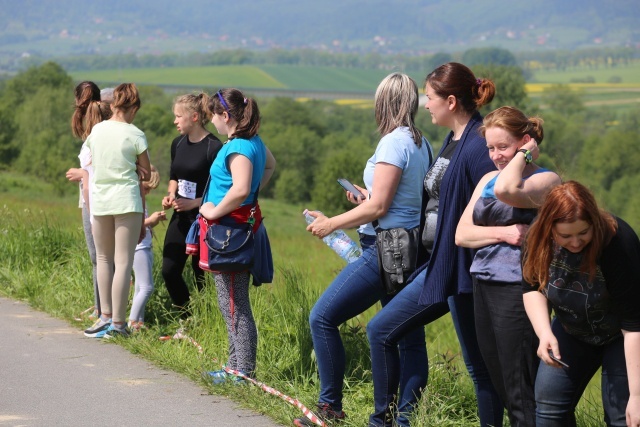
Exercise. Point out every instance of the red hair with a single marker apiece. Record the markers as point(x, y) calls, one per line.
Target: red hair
point(567, 202)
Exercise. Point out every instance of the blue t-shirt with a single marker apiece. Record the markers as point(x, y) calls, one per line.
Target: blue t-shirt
point(397, 148)
point(221, 181)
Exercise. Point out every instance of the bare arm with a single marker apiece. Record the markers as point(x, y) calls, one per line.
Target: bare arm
point(386, 178)
point(74, 174)
point(145, 164)
point(269, 168)
point(154, 219)
point(85, 189)
point(241, 173)
point(511, 189)
point(469, 235)
point(632, 356)
point(536, 306)
point(172, 189)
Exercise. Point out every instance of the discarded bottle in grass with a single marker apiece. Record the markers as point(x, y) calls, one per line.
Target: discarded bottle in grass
point(338, 241)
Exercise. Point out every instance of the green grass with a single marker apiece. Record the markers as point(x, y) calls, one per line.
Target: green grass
point(284, 77)
point(343, 81)
point(58, 280)
point(327, 78)
point(629, 74)
point(218, 76)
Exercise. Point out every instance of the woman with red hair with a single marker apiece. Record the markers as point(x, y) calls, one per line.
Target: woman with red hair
point(585, 264)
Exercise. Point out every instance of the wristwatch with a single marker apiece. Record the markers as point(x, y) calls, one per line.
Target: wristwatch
point(527, 155)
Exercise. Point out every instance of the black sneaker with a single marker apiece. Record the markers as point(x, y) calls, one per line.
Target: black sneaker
point(325, 413)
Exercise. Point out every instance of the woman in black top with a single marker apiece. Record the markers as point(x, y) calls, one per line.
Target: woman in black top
point(192, 154)
point(585, 264)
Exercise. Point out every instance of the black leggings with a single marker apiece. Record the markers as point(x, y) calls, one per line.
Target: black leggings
point(174, 259)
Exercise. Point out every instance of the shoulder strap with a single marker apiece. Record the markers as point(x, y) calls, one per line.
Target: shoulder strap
point(204, 193)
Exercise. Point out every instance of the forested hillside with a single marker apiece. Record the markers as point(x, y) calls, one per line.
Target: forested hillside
point(316, 142)
point(51, 28)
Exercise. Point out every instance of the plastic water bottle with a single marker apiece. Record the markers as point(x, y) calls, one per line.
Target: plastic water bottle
point(338, 241)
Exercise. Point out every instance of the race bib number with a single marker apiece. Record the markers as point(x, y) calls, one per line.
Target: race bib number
point(187, 189)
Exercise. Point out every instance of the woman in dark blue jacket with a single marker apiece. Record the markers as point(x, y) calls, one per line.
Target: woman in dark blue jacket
point(442, 284)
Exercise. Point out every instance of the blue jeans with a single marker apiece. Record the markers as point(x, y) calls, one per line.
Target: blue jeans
point(403, 317)
point(356, 288)
point(558, 390)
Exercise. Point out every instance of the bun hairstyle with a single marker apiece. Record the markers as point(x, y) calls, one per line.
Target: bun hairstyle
point(87, 112)
point(195, 103)
point(396, 104)
point(515, 122)
point(126, 97)
point(240, 108)
point(458, 80)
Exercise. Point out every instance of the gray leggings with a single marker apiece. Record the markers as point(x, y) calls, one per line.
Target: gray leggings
point(88, 236)
point(143, 271)
point(234, 304)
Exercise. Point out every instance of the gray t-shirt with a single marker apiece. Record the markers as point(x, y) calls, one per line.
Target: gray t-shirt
point(432, 181)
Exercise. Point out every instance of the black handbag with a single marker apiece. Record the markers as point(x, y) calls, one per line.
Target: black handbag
point(397, 256)
point(231, 245)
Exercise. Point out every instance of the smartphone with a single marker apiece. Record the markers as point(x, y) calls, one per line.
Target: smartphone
point(555, 359)
point(350, 187)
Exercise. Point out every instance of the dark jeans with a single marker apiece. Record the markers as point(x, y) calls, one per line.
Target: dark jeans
point(508, 345)
point(403, 316)
point(558, 390)
point(490, 407)
point(174, 259)
point(356, 288)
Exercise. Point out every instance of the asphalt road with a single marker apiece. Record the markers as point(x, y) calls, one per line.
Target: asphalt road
point(51, 375)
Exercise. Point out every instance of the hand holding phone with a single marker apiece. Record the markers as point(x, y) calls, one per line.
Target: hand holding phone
point(348, 186)
point(558, 361)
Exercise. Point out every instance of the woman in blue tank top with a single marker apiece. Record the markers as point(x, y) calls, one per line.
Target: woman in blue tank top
point(495, 222)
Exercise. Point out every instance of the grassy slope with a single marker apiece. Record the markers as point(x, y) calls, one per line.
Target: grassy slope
point(304, 268)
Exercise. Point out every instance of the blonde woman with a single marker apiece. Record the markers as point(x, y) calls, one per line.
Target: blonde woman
point(192, 153)
point(393, 180)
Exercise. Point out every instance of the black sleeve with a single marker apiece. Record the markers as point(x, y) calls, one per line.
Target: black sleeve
point(174, 148)
point(620, 264)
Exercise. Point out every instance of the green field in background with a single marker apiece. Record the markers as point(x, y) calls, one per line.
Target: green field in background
point(214, 76)
point(343, 81)
point(629, 74)
point(330, 79)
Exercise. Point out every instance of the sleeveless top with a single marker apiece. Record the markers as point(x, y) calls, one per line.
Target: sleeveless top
point(499, 262)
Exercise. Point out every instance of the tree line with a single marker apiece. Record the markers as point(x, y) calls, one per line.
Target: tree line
point(599, 57)
point(316, 142)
